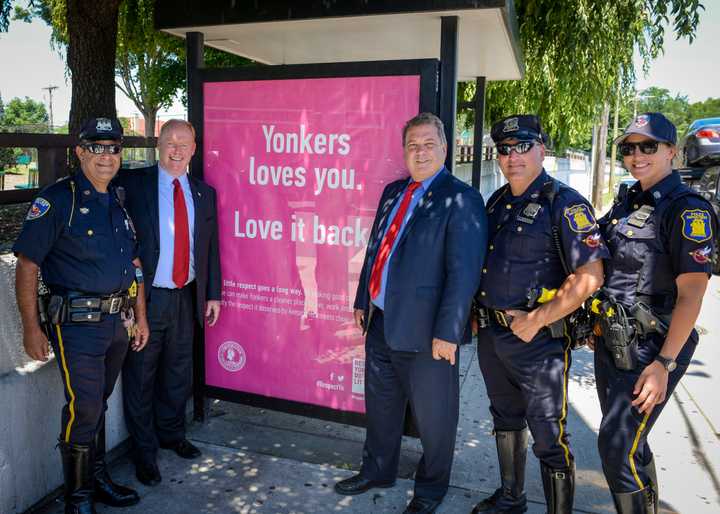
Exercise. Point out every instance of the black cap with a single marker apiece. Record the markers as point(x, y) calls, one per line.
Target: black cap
point(525, 127)
point(97, 129)
point(653, 125)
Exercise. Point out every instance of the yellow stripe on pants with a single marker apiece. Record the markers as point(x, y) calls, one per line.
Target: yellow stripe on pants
point(631, 455)
point(71, 405)
point(564, 401)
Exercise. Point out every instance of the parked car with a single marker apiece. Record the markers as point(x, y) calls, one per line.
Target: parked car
point(707, 186)
point(701, 143)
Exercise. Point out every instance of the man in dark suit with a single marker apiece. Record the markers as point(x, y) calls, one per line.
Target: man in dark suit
point(421, 270)
point(176, 222)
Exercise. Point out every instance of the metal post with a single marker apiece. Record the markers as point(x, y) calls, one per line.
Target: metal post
point(448, 82)
point(479, 108)
point(195, 61)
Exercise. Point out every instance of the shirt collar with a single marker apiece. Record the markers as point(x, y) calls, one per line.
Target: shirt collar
point(425, 184)
point(167, 179)
point(659, 190)
point(535, 186)
point(85, 189)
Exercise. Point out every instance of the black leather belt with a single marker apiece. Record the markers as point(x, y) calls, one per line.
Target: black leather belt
point(105, 304)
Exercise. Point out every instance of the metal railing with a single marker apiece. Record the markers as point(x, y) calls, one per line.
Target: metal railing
point(53, 159)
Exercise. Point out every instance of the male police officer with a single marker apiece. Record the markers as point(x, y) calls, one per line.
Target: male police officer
point(544, 259)
point(78, 234)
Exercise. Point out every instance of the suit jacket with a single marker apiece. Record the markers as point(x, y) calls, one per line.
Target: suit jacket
point(141, 188)
point(436, 266)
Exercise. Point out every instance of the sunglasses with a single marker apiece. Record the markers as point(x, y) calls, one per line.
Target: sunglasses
point(98, 148)
point(646, 147)
point(520, 148)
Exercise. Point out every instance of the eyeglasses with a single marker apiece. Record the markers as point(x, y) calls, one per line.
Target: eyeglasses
point(99, 149)
point(646, 147)
point(520, 148)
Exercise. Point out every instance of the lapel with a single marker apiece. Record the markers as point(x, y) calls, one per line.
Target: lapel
point(197, 197)
point(386, 208)
point(151, 198)
point(425, 203)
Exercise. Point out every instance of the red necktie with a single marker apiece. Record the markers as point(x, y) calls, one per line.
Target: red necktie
point(181, 254)
point(389, 240)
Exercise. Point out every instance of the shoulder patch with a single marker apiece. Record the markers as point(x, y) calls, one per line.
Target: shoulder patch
point(702, 255)
point(579, 218)
point(696, 225)
point(38, 209)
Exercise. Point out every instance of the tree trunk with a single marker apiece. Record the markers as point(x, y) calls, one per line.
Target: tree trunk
point(150, 119)
point(600, 156)
point(92, 34)
point(613, 148)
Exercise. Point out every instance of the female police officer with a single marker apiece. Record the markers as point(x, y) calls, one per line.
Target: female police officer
point(660, 236)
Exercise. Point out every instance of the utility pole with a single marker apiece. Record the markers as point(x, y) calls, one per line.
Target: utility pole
point(613, 148)
point(50, 90)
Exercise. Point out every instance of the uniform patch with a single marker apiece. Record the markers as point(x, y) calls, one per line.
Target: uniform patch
point(38, 209)
point(593, 240)
point(511, 125)
point(696, 225)
point(579, 217)
point(701, 255)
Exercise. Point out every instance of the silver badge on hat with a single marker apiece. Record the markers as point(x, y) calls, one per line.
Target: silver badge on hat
point(511, 125)
point(103, 125)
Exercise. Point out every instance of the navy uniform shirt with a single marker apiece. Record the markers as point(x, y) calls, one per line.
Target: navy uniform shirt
point(654, 236)
point(81, 239)
point(522, 258)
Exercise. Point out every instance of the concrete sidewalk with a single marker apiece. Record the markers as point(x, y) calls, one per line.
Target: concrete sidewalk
point(257, 461)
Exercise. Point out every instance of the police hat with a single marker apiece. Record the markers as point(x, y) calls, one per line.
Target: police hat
point(97, 129)
point(525, 127)
point(653, 125)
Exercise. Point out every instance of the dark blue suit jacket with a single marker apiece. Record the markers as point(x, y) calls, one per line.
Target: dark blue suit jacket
point(435, 268)
point(141, 188)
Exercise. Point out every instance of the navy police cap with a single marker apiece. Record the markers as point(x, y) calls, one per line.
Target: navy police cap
point(518, 126)
point(653, 125)
point(98, 129)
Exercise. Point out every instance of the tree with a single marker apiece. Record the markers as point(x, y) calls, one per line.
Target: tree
point(574, 52)
point(24, 115)
point(7, 156)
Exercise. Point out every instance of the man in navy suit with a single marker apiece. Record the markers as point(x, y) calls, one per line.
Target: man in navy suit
point(176, 222)
point(421, 270)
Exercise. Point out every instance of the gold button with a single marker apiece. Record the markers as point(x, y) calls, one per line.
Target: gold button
point(508, 206)
point(630, 232)
point(484, 270)
point(90, 232)
point(519, 229)
point(614, 222)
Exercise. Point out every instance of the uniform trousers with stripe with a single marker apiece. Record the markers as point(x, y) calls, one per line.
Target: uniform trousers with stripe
point(527, 387)
point(90, 357)
point(622, 439)
point(431, 387)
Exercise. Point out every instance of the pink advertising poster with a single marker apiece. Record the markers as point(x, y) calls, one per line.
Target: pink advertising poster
point(299, 166)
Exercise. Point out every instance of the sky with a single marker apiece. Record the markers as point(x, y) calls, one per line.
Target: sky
point(30, 64)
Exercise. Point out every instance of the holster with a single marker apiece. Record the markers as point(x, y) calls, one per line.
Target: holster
point(619, 335)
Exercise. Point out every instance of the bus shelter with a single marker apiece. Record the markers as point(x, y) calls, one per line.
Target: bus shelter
point(299, 148)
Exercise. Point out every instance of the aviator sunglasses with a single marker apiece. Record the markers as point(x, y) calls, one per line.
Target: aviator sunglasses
point(98, 148)
point(520, 147)
point(646, 147)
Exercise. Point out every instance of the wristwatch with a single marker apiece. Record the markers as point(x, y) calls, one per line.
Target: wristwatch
point(668, 363)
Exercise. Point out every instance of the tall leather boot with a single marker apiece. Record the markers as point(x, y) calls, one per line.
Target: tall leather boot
point(510, 497)
point(105, 490)
point(654, 484)
point(637, 502)
point(559, 487)
point(77, 470)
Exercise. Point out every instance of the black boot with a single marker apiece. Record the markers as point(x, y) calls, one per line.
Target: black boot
point(654, 485)
point(512, 453)
point(105, 490)
point(637, 502)
point(77, 470)
point(559, 487)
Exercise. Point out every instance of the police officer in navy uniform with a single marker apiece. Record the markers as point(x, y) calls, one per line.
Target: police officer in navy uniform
point(661, 239)
point(530, 282)
point(79, 236)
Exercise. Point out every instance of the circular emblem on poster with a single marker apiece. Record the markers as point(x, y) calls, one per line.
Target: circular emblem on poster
point(231, 356)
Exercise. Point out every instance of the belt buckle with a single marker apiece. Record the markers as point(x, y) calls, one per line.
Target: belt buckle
point(115, 304)
point(501, 319)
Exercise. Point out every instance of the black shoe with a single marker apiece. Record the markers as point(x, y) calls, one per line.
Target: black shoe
point(105, 490)
point(500, 502)
point(420, 505)
point(147, 473)
point(184, 449)
point(77, 471)
point(358, 484)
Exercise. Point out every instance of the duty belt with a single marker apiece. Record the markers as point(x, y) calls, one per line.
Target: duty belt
point(502, 318)
point(81, 307)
